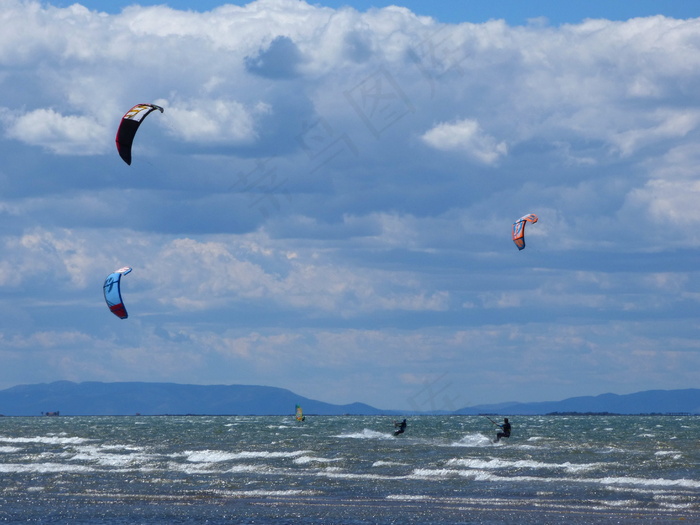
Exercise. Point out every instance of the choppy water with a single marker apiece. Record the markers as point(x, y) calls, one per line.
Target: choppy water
point(198, 469)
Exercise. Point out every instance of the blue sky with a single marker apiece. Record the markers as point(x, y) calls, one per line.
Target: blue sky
point(325, 204)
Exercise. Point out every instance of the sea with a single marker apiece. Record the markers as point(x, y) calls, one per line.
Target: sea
point(349, 470)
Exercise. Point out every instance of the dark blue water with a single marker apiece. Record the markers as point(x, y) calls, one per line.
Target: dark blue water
point(197, 469)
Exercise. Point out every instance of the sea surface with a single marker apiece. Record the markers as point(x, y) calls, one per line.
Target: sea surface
point(349, 470)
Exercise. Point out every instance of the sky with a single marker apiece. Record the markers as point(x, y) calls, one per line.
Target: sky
point(326, 202)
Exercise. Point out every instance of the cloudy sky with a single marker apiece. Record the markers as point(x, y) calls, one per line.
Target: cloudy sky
point(326, 203)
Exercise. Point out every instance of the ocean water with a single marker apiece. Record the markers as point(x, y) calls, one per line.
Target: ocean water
point(350, 470)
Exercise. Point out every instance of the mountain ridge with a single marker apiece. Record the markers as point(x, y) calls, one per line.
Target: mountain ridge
point(645, 402)
point(128, 398)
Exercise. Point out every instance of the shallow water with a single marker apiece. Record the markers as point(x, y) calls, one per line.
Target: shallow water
point(196, 469)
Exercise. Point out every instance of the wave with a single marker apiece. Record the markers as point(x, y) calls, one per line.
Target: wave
point(42, 468)
point(217, 456)
point(111, 456)
point(485, 475)
point(302, 460)
point(367, 434)
point(381, 463)
point(267, 493)
point(473, 440)
point(47, 440)
point(492, 464)
point(657, 482)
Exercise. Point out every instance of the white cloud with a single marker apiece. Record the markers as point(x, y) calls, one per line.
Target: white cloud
point(316, 282)
point(61, 134)
point(466, 136)
point(214, 121)
point(668, 124)
point(39, 257)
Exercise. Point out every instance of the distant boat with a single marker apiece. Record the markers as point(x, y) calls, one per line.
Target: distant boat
point(52, 414)
point(300, 414)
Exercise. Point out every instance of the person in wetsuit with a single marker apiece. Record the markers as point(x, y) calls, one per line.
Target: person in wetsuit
point(400, 427)
point(505, 427)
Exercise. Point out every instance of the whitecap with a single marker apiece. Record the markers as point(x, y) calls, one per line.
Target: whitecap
point(367, 434)
point(673, 453)
point(408, 497)
point(619, 503)
point(435, 473)
point(48, 440)
point(387, 463)
point(338, 473)
point(41, 468)
point(268, 493)
point(473, 440)
point(301, 460)
point(493, 464)
point(656, 482)
point(217, 456)
point(103, 456)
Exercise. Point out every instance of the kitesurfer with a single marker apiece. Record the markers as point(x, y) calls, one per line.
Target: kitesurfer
point(400, 427)
point(505, 427)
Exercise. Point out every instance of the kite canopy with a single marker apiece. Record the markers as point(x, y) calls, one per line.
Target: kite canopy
point(129, 125)
point(519, 229)
point(113, 295)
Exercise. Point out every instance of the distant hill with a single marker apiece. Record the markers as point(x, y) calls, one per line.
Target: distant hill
point(96, 399)
point(647, 402)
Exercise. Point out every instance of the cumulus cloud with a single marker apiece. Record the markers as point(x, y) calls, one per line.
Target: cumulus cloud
point(60, 134)
point(466, 136)
point(322, 284)
point(214, 121)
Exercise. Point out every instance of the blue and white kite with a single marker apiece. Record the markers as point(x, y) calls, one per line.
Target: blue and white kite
point(113, 294)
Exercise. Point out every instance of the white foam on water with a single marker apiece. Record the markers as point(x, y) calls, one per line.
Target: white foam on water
point(665, 452)
point(657, 482)
point(247, 468)
point(421, 473)
point(619, 503)
point(473, 440)
point(105, 456)
point(445, 473)
point(641, 485)
point(680, 506)
point(41, 468)
point(9, 450)
point(209, 456)
point(48, 440)
point(302, 460)
point(340, 474)
point(268, 493)
point(510, 502)
point(217, 456)
point(191, 468)
point(367, 434)
point(522, 464)
point(120, 447)
point(387, 464)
